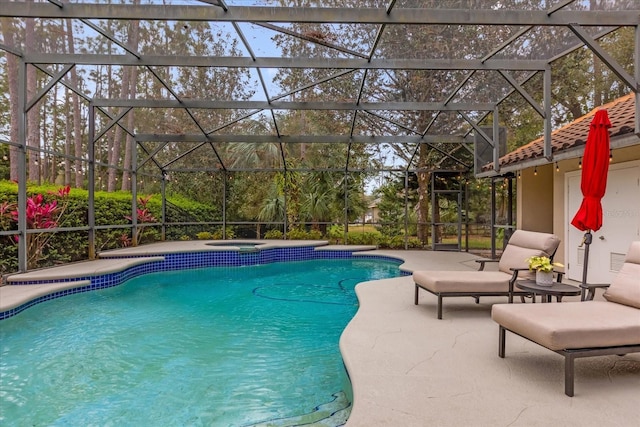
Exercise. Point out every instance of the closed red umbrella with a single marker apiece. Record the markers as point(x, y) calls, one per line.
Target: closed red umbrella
point(595, 167)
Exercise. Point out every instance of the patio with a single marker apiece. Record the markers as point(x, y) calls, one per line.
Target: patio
point(312, 86)
point(410, 369)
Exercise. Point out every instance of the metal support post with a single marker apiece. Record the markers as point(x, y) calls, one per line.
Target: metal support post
point(163, 191)
point(346, 208)
point(406, 209)
point(493, 218)
point(547, 113)
point(225, 178)
point(134, 194)
point(91, 179)
point(23, 256)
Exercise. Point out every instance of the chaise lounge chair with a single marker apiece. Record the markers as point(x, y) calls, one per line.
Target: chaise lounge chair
point(581, 329)
point(512, 265)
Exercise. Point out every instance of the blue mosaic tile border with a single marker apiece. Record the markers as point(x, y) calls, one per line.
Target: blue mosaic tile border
point(188, 260)
point(12, 312)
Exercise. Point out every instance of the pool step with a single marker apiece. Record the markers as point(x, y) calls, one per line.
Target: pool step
point(331, 414)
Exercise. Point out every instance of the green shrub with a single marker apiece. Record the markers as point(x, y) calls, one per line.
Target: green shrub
point(359, 238)
point(204, 235)
point(149, 235)
point(397, 242)
point(414, 243)
point(110, 209)
point(273, 234)
point(111, 239)
point(297, 234)
point(314, 235)
point(336, 234)
point(8, 256)
point(301, 234)
point(391, 242)
point(228, 234)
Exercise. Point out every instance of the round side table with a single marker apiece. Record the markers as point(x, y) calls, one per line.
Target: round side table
point(558, 290)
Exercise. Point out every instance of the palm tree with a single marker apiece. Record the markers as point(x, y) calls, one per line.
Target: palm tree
point(316, 207)
point(272, 206)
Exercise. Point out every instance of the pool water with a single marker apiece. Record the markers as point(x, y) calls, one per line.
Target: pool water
point(233, 346)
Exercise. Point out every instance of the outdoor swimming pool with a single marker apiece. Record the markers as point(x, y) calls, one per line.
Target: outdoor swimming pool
point(222, 346)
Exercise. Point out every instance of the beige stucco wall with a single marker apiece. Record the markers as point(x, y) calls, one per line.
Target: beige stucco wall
point(541, 197)
point(535, 199)
point(626, 154)
point(560, 223)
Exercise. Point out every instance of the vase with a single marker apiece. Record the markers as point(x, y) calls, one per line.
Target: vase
point(544, 278)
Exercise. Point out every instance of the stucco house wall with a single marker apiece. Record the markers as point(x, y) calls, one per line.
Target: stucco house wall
point(535, 199)
point(540, 184)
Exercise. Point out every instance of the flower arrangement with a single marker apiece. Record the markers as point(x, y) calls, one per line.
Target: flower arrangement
point(542, 263)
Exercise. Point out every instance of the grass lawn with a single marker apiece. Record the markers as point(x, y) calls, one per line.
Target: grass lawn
point(362, 228)
point(475, 241)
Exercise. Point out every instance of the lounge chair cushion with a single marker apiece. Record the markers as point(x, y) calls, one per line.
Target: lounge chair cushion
point(572, 325)
point(524, 244)
point(462, 281)
point(625, 288)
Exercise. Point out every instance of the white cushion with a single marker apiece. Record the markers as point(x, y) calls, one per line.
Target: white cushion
point(560, 326)
point(625, 288)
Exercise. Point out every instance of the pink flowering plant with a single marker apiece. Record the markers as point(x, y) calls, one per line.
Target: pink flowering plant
point(143, 215)
point(41, 214)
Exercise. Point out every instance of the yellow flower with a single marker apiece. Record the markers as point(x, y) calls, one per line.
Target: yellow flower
point(542, 263)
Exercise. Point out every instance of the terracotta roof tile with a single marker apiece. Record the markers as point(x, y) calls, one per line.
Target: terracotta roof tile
point(621, 114)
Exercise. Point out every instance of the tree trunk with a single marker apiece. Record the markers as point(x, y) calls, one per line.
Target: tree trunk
point(32, 115)
point(12, 79)
point(423, 196)
point(77, 130)
point(130, 88)
point(114, 154)
point(77, 135)
point(67, 140)
point(52, 167)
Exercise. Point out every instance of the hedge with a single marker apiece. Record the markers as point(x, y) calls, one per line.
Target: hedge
point(110, 209)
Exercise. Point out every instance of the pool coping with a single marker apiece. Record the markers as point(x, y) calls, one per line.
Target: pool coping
point(15, 295)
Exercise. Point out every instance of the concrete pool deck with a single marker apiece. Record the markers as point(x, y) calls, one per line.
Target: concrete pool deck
point(410, 369)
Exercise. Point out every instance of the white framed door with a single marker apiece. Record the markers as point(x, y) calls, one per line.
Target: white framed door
point(620, 224)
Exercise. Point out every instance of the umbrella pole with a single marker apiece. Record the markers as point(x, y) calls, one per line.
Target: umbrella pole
point(585, 262)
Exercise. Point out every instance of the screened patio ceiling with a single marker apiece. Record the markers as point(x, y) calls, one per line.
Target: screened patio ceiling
point(335, 66)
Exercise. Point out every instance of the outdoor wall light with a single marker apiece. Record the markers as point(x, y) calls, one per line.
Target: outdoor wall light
point(557, 167)
point(535, 171)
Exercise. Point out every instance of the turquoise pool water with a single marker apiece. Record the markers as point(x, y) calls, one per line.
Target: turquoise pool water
point(234, 346)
